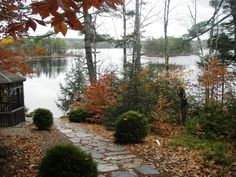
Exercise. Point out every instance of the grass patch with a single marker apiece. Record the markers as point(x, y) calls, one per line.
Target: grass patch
point(218, 152)
point(191, 142)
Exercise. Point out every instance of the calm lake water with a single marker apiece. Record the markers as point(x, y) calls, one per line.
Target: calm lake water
point(42, 90)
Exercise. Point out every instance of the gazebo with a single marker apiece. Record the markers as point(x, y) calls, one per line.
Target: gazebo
point(12, 110)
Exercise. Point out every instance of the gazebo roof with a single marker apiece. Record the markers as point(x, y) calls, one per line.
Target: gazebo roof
point(6, 77)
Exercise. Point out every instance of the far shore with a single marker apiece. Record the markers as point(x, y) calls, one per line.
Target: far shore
point(171, 55)
point(51, 56)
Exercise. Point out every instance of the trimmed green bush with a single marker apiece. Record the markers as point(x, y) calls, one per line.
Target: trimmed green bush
point(67, 160)
point(79, 115)
point(131, 127)
point(42, 118)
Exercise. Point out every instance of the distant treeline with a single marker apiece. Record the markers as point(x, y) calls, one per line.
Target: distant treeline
point(46, 46)
point(152, 46)
point(177, 46)
point(73, 43)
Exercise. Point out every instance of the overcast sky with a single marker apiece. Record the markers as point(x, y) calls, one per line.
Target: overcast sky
point(180, 20)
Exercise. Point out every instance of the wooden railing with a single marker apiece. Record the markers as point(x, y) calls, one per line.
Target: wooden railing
point(12, 118)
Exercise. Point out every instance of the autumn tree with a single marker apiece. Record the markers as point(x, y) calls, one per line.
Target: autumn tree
point(99, 94)
point(13, 22)
point(215, 82)
point(12, 61)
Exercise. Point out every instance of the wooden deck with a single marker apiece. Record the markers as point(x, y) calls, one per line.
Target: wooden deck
point(12, 118)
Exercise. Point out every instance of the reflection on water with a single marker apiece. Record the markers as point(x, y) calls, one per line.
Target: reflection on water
point(51, 67)
point(43, 89)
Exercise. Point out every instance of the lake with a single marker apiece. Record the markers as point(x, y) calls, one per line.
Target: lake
point(42, 90)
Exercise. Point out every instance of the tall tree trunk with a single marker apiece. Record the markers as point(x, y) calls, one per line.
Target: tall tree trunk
point(88, 47)
point(137, 45)
point(135, 66)
point(94, 34)
point(212, 32)
point(124, 39)
point(233, 12)
point(194, 18)
point(166, 42)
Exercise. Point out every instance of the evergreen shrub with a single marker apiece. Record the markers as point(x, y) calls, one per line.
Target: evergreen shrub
point(79, 115)
point(131, 127)
point(67, 160)
point(43, 118)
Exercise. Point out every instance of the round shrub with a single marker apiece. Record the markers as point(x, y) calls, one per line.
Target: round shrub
point(42, 118)
point(79, 115)
point(131, 127)
point(67, 160)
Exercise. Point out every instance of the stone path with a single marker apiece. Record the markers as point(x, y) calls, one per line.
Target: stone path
point(112, 159)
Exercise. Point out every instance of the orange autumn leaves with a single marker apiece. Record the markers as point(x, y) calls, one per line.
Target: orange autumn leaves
point(70, 9)
point(216, 80)
point(13, 62)
point(64, 14)
point(97, 96)
point(100, 94)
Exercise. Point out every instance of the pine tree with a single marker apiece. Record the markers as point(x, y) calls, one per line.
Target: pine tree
point(74, 85)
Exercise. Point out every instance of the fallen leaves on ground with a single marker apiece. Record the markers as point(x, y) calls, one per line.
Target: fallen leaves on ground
point(179, 161)
point(25, 147)
point(23, 156)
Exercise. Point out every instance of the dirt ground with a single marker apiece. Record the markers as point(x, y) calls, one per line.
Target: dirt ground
point(23, 146)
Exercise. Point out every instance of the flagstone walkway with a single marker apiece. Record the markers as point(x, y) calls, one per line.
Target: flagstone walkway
point(112, 159)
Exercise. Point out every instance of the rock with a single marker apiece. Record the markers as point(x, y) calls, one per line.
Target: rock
point(119, 157)
point(86, 148)
point(99, 161)
point(75, 139)
point(122, 174)
point(96, 155)
point(130, 165)
point(116, 153)
point(147, 170)
point(115, 148)
point(107, 167)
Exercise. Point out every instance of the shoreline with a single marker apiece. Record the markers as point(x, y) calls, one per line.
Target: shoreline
point(171, 55)
point(50, 56)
